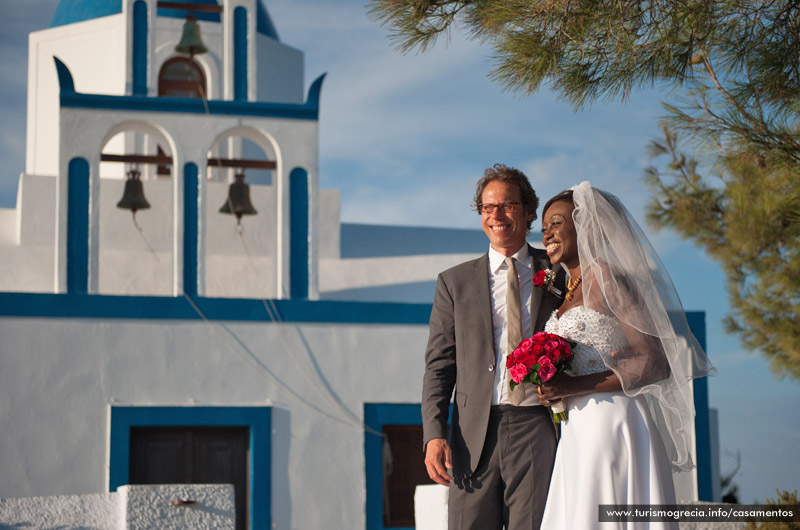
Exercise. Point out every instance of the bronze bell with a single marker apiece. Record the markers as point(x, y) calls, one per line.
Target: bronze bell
point(238, 202)
point(191, 43)
point(133, 196)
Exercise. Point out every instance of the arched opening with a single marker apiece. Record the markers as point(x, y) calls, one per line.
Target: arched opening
point(237, 153)
point(136, 219)
point(182, 77)
point(241, 253)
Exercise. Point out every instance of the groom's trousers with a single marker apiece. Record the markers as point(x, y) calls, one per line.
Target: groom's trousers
point(509, 486)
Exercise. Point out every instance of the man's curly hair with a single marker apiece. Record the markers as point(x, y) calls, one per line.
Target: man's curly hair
point(503, 173)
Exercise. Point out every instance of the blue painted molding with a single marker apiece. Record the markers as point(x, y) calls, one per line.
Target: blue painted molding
point(702, 421)
point(314, 92)
point(65, 82)
point(78, 226)
point(298, 111)
point(376, 415)
point(46, 305)
point(257, 419)
point(190, 220)
point(140, 31)
point(702, 425)
point(240, 54)
point(298, 238)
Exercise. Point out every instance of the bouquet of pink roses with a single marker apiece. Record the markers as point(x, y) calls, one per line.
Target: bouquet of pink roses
point(537, 359)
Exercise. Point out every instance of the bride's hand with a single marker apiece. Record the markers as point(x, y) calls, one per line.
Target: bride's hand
point(555, 389)
point(563, 385)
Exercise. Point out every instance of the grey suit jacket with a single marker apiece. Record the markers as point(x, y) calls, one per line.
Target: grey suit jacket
point(461, 357)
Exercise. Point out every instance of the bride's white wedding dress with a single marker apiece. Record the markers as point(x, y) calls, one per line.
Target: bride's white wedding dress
point(610, 451)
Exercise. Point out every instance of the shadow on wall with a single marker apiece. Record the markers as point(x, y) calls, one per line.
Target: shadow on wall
point(379, 241)
point(409, 293)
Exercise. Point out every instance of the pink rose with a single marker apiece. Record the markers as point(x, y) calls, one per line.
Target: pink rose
point(518, 372)
point(547, 369)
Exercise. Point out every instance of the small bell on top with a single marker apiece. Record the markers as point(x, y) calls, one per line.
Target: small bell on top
point(191, 43)
point(133, 196)
point(238, 202)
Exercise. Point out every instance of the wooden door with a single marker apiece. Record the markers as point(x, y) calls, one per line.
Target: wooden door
point(403, 469)
point(193, 455)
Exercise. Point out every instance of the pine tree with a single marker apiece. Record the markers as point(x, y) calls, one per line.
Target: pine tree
point(727, 176)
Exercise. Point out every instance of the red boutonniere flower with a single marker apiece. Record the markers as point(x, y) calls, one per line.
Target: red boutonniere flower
point(545, 279)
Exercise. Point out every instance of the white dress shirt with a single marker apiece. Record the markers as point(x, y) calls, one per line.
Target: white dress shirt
point(498, 285)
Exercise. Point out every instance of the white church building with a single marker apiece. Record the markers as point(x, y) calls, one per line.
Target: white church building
point(278, 350)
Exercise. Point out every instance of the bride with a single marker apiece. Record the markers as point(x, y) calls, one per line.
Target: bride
point(628, 394)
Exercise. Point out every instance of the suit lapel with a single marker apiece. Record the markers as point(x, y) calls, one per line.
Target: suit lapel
point(536, 293)
point(546, 303)
point(480, 279)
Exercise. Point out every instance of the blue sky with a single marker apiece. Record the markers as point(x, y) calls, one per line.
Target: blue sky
point(405, 137)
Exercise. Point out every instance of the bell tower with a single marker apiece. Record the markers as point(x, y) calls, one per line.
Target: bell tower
point(191, 116)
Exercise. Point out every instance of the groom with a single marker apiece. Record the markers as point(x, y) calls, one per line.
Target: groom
point(502, 443)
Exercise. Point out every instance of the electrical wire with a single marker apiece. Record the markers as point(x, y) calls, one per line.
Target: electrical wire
point(300, 351)
point(307, 353)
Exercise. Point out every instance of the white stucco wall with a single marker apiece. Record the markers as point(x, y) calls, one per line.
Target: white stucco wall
point(129, 508)
point(99, 511)
point(351, 273)
point(149, 507)
point(279, 71)
point(60, 376)
point(95, 52)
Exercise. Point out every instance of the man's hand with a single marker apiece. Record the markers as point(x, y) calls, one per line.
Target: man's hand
point(437, 460)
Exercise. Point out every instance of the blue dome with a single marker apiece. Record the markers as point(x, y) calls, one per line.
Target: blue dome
point(71, 11)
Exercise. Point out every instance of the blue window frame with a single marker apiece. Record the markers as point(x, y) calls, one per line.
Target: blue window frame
point(376, 415)
point(257, 419)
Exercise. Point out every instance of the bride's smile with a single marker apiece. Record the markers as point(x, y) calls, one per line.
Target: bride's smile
point(558, 234)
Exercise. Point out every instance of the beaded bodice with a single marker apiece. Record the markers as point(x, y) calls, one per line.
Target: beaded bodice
point(593, 332)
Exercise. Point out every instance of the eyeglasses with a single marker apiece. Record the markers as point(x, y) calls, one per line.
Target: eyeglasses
point(505, 207)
